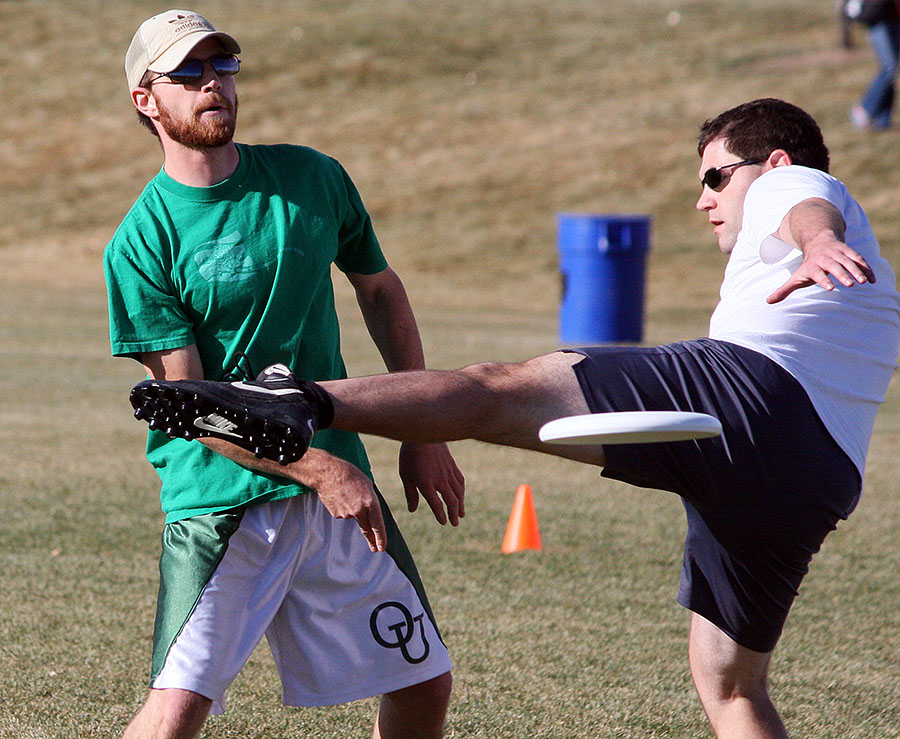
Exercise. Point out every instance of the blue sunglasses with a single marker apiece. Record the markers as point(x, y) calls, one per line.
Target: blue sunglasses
point(191, 70)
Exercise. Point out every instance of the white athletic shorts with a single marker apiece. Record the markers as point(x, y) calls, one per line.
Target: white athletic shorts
point(343, 623)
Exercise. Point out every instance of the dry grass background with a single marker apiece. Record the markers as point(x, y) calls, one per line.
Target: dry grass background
point(467, 126)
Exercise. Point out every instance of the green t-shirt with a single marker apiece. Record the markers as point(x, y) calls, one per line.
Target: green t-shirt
point(243, 266)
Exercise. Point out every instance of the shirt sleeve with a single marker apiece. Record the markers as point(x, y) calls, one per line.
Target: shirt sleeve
point(358, 247)
point(145, 314)
point(771, 197)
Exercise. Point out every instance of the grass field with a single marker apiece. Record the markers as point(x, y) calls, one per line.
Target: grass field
point(467, 126)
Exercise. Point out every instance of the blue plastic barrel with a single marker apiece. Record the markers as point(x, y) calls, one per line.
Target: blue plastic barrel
point(602, 259)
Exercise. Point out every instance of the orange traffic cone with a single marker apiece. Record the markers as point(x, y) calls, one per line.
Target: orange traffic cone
point(522, 530)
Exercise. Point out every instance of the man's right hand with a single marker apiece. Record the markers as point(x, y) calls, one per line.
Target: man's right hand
point(346, 493)
point(343, 489)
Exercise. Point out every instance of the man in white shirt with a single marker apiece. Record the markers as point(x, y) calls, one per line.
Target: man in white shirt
point(801, 350)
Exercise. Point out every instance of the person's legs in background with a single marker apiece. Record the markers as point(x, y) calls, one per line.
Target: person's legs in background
point(874, 110)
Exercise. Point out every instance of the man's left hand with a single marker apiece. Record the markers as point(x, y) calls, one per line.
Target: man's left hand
point(429, 470)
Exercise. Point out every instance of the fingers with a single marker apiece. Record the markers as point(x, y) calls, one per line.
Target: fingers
point(412, 495)
point(429, 471)
point(449, 495)
point(437, 507)
point(796, 282)
point(370, 519)
point(348, 493)
point(847, 264)
point(782, 292)
point(453, 494)
point(430, 493)
point(460, 488)
point(847, 272)
point(858, 268)
point(371, 523)
point(458, 485)
point(436, 501)
point(846, 267)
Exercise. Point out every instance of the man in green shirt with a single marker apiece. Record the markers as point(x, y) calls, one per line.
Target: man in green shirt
point(224, 262)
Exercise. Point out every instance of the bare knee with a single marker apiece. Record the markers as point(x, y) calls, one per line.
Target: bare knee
point(434, 692)
point(731, 681)
point(169, 713)
point(721, 667)
point(492, 377)
point(494, 388)
point(513, 377)
point(518, 397)
point(721, 691)
point(416, 712)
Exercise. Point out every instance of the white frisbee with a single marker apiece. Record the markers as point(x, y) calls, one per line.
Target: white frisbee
point(630, 427)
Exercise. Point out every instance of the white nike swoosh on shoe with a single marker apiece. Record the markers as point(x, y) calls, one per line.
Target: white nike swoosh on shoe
point(266, 390)
point(217, 423)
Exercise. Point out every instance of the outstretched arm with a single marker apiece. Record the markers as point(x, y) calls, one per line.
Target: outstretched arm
point(426, 469)
point(343, 489)
point(817, 228)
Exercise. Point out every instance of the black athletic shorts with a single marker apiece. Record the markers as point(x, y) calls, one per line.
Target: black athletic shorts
point(759, 499)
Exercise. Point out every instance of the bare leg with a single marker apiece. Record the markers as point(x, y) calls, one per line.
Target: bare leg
point(169, 714)
point(494, 402)
point(731, 681)
point(416, 712)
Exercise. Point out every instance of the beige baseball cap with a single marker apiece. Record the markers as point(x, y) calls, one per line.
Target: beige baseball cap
point(164, 41)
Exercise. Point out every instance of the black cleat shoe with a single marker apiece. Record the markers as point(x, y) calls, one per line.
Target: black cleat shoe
point(274, 416)
point(280, 379)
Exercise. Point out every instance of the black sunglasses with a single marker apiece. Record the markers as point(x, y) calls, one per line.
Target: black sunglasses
point(191, 70)
point(715, 180)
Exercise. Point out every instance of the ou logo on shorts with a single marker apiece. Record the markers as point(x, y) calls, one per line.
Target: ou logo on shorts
point(399, 634)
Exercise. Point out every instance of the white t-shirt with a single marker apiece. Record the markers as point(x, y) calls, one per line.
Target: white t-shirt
point(840, 345)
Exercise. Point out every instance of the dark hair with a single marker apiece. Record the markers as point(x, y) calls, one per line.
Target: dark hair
point(755, 129)
point(143, 119)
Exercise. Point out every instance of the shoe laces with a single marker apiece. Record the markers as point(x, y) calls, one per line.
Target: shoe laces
point(241, 370)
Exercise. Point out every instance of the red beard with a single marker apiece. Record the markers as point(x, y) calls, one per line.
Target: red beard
point(199, 133)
